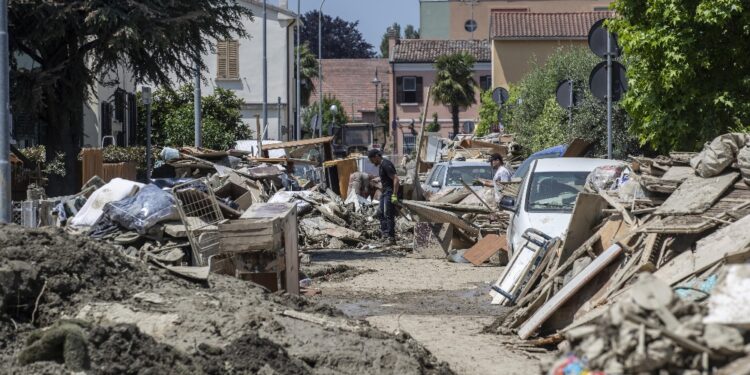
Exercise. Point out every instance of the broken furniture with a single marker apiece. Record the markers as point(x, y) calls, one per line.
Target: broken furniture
point(201, 214)
point(261, 247)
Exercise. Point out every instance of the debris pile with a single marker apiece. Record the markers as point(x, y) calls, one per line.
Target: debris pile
point(105, 312)
point(681, 218)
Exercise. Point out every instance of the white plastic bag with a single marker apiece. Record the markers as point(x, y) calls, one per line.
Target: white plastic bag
point(114, 191)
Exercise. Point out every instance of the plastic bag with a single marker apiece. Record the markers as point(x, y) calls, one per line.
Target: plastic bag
point(718, 155)
point(114, 191)
point(743, 162)
point(144, 210)
point(605, 177)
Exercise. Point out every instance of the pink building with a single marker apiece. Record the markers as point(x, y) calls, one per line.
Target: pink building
point(413, 71)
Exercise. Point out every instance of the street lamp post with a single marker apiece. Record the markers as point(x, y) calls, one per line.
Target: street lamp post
point(298, 122)
point(320, 65)
point(5, 174)
point(376, 82)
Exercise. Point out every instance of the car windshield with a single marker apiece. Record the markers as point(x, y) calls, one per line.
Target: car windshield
point(357, 136)
point(468, 174)
point(555, 191)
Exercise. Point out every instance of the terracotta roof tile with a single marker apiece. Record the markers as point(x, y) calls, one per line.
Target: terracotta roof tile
point(427, 51)
point(505, 25)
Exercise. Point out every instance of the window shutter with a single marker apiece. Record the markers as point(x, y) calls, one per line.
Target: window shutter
point(400, 90)
point(420, 94)
point(221, 59)
point(105, 118)
point(233, 59)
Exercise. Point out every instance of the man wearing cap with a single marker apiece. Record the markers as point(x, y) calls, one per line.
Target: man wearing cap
point(502, 173)
point(390, 182)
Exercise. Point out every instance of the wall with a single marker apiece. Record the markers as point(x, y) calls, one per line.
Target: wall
point(511, 59)
point(433, 21)
point(405, 113)
point(92, 131)
point(249, 86)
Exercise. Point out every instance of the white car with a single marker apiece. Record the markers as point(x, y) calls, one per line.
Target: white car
point(547, 195)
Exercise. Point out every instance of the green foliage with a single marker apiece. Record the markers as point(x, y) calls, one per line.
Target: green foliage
point(539, 122)
point(38, 155)
point(410, 32)
point(434, 125)
point(688, 70)
point(454, 84)
point(488, 111)
point(384, 112)
point(328, 118)
point(309, 70)
point(173, 118)
point(341, 39)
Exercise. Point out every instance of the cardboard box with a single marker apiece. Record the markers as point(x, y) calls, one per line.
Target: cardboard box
point(237, 193)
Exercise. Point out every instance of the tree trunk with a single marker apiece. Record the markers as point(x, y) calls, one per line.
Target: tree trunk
point(454, 115)
point(64, 134)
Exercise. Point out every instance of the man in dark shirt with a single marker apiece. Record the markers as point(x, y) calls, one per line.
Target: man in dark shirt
point(390, 182)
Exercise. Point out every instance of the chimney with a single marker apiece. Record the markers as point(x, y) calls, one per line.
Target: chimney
point(284, 4)
point(393, 41)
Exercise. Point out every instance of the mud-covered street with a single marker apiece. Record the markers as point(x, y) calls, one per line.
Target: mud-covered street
point(444, 306)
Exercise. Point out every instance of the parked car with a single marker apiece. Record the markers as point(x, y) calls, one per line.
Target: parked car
point(450, 174)
point(546, 198)
point(552, 152)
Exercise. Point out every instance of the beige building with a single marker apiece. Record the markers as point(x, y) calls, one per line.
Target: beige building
point(518, 39)
point(467, 19)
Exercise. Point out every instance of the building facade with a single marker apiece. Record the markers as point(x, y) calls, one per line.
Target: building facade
point(359, 84)
point(237, 65)
point(518, 39)
point(412, 63)
point(470, 19)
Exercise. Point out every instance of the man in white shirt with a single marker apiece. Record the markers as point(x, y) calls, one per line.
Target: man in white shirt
point(502, 173)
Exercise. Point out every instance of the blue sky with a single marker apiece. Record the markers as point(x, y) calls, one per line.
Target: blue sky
point(374, 16)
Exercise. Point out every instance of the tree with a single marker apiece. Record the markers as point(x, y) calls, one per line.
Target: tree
point(687, 69)
point(539, 122)
point(341, 39)
point(74, 44)
point(383, 113)
point(410, 32)
point(396, 29)
point(172, 117)
point(340, 118)
point(488, 112)
point(454, 84)
point(309, 70)
point(434, 125)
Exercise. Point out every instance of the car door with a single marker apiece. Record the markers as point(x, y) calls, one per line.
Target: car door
point(433, 177)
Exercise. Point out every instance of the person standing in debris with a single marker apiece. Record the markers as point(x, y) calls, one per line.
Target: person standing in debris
point(390, 182)
point(502, 173)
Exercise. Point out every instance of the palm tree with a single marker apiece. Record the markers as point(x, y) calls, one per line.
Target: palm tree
point(454, 85)
point(308, 72)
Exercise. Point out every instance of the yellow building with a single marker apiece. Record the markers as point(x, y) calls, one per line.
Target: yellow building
point(470, 19)
point(520, 38)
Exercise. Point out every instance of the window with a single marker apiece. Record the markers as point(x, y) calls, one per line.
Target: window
point(410, 142)
point(438, 175)
point(409, 90)
point(470, 26)
point(468, 127)
point(554, 191)
point(227, 59)
point(468, 175)
point(485, 82)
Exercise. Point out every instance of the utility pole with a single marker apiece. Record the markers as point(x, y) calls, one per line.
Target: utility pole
point(5, 177)
point(278, 114)
point(146, 97)
point(265, 71)
point(609, 95)
point(197, 105)
point(298, 130)
point(320, 67)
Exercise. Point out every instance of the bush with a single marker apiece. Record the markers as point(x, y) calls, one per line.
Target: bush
point(340, 119)
point(488, 111)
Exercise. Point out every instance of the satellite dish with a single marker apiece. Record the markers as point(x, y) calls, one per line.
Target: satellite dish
point(598, 40)
point(598, 81)
point(565, 94)
point(500, 95)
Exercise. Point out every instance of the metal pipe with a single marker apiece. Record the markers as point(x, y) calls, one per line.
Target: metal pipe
point(265, 73)
point(146, 97)
point(570, 110)
point(299, 84)
point(278, 113)
point(5, 177)
point(609, 95)
point(197, 105)
point(320, 67)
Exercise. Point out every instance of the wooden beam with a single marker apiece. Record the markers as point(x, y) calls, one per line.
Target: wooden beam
point(417, 190)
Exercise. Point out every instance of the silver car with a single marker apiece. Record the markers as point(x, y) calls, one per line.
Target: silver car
point(450, 174)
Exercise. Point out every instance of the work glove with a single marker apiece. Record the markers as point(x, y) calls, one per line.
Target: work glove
point(394, 198)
